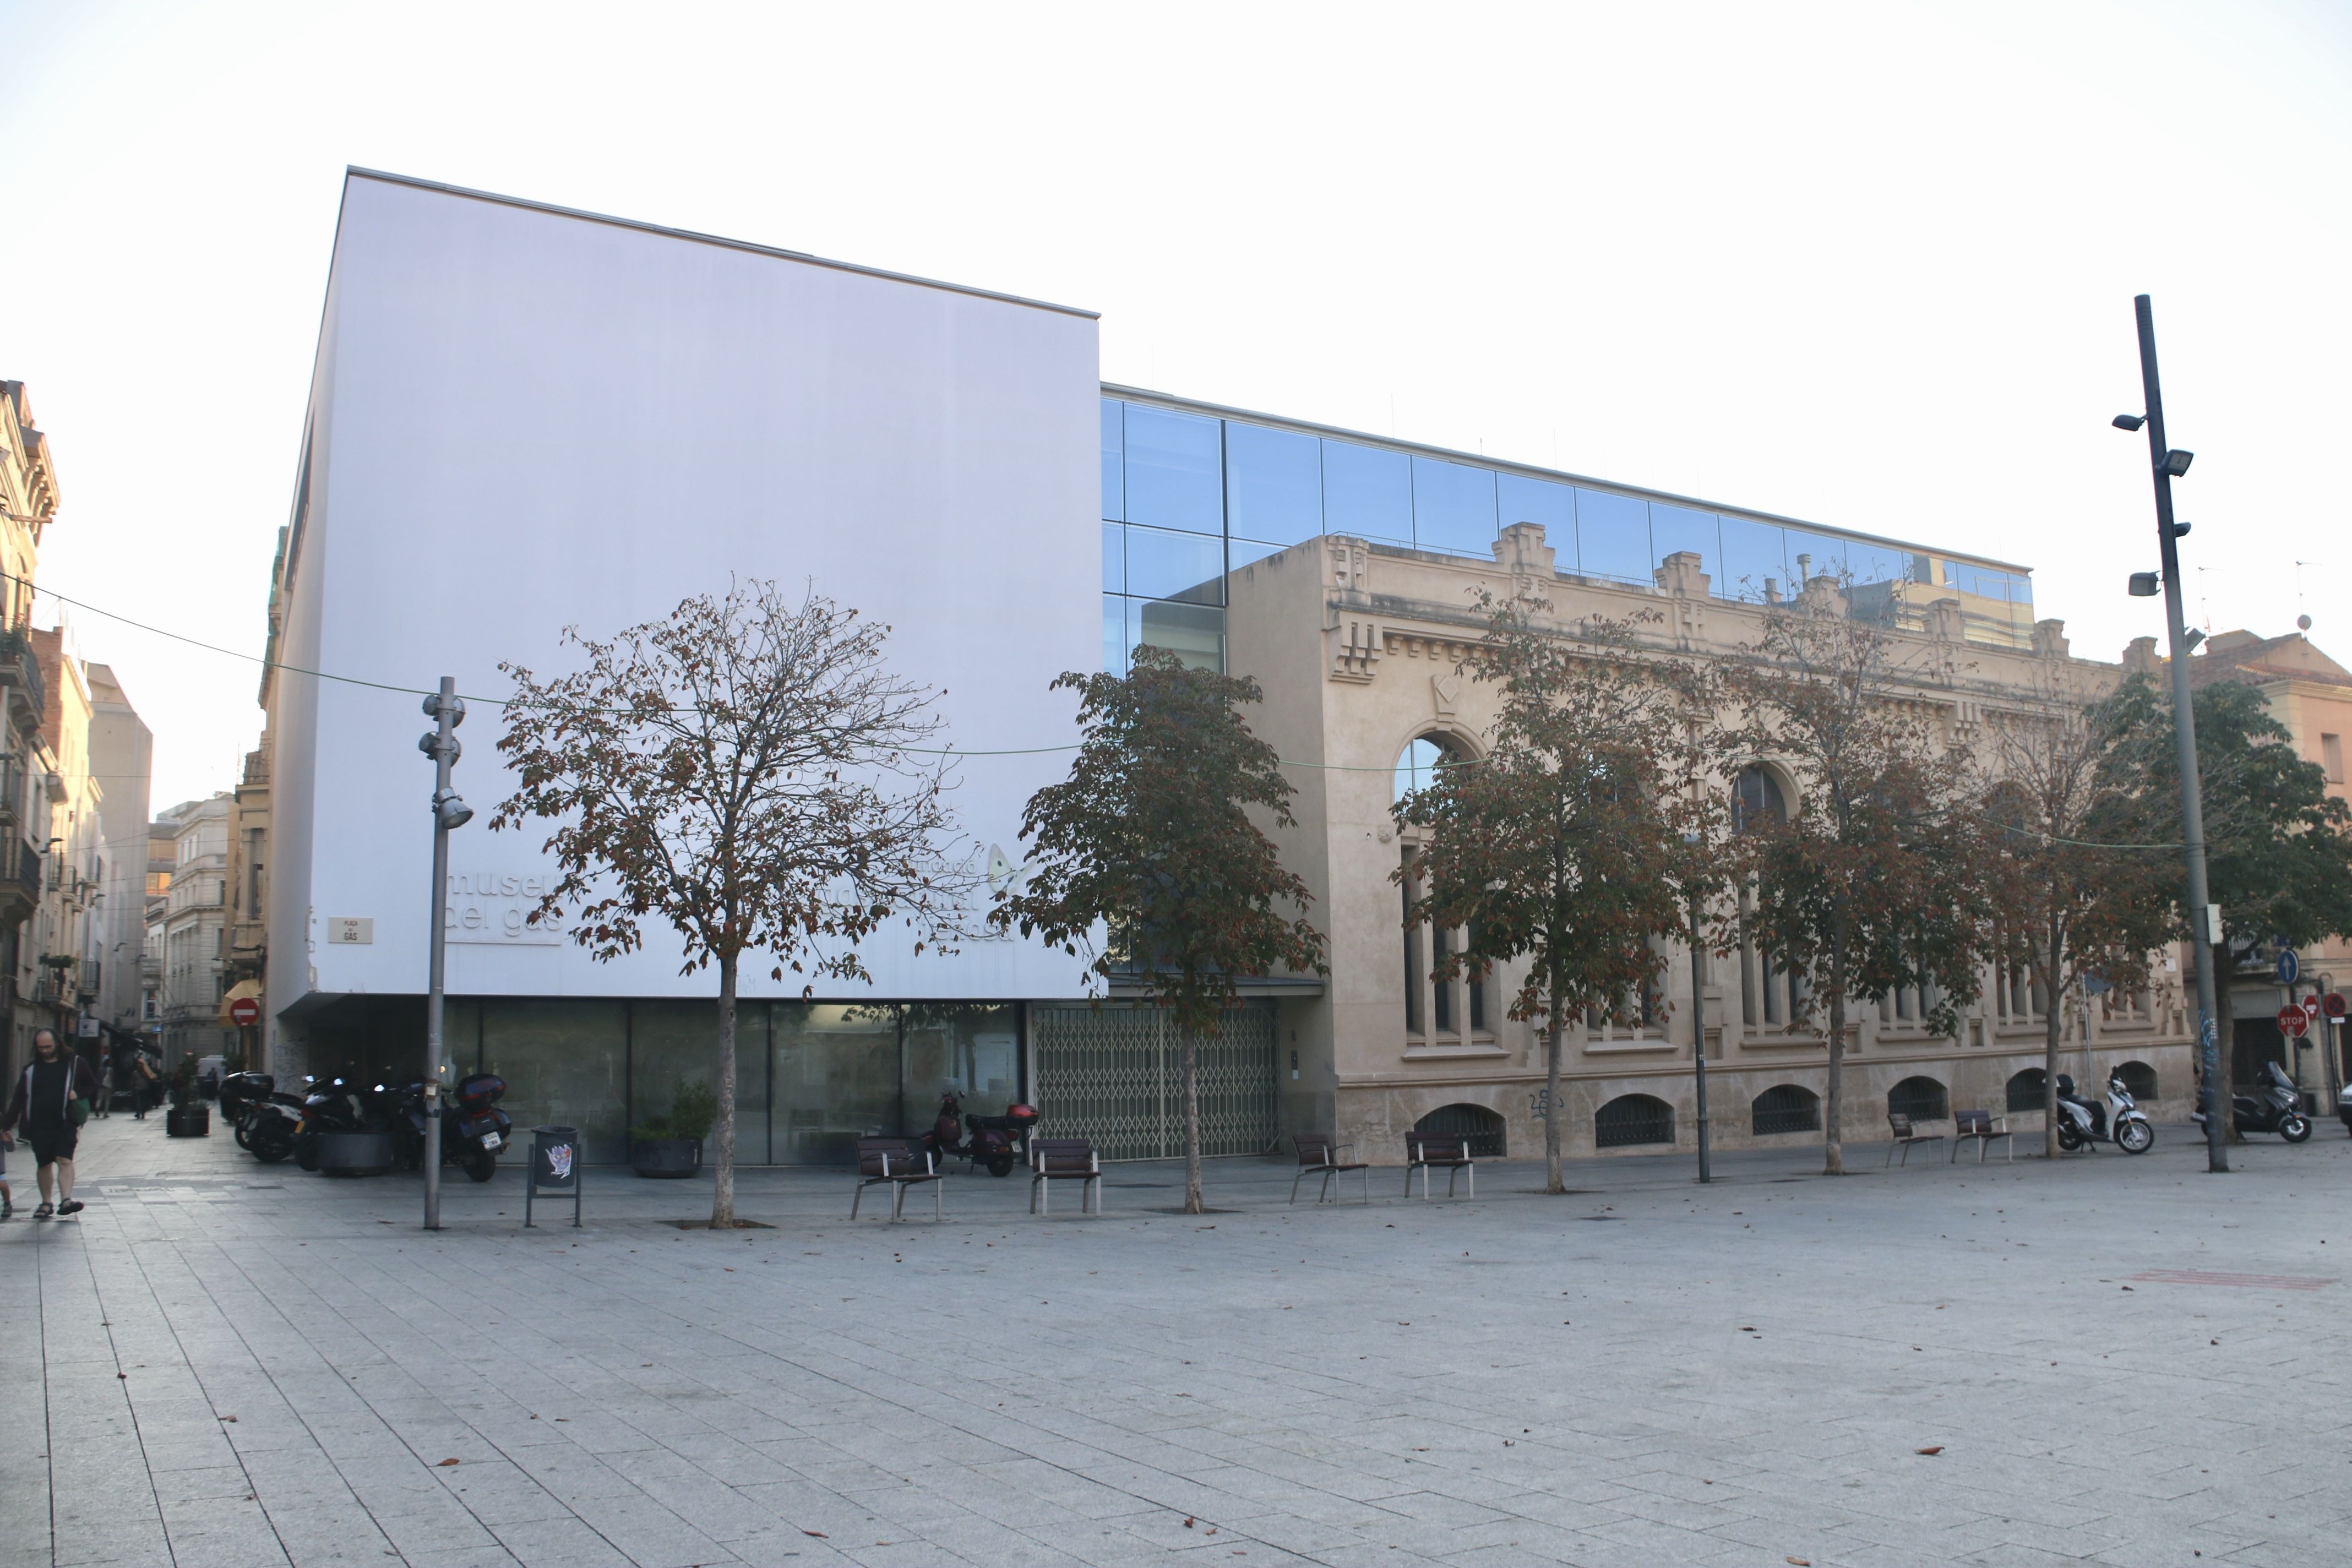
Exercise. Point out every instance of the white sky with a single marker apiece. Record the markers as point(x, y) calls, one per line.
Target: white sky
point(1869, 265)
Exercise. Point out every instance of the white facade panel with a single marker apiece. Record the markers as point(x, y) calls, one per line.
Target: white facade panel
point(524, 420)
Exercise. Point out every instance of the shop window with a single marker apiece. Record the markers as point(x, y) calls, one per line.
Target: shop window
point(1483, 1127)
point(1785, 1108)
point(1920, 1099)
point(1632, 1119)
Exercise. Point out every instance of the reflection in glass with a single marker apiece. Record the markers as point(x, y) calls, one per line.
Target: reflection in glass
point(1613, 536)
point(1367, 492)
point(1122, 622)
point(1274, 484)
point(1675, 528)
point(1114, 472)
point(1163, 565)
point(1453, 507)
point(565, 1063)
point(1194, 632)
point(1822, 555)
point(1113, 540)
point(836, 1080)
point(1240, 552)
point(675, 1043)
point(1172, 470)
point(1417, 765)
point(1522, 499)
point(1875, 563)
point(973, 1051)
point(1752, 557)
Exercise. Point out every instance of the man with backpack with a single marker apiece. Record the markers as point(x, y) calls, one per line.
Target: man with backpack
point(50, 1101)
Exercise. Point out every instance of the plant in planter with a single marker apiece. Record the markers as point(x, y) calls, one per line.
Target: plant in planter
point(670, 1146)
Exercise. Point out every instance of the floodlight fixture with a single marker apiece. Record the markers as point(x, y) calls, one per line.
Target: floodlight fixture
point(2146, 585)
point(2127, 421)
point(2192, 638)
point(2175, 462)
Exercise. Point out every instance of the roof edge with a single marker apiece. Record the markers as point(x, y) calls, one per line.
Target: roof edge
point(353, 171)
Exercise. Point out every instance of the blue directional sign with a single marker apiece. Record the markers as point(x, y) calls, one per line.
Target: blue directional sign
point(2290, 968)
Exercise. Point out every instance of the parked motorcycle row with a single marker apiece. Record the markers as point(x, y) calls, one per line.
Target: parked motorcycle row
point(2271, 1105)
point(272, 1124)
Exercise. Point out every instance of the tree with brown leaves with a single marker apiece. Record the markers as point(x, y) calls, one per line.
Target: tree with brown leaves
point(750, 771)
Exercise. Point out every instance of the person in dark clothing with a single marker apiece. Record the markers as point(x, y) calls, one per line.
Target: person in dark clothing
point(41, 1109)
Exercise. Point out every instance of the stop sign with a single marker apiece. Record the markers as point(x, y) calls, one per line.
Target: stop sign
point(246, 1012)
point(2291, 1021)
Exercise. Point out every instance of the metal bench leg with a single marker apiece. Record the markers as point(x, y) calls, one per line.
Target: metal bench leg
point(938, 1201)
point(1294, 1184)
point(1470, 1179)
point(1041, 1195)
point(1368, 1185)
point(856, 1198)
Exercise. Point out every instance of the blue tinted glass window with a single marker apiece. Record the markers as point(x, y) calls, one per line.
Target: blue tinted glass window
point(1751, 555)
point(1416, 768)
point(1367, 492)
point(1453, 507)
point(2021, 590)
point(1240, 552)
point(1164, 565)
point(1114, 465)
point(1877, 562)
point(1522, 499)
point(1274, 484)
point(1824, 556)
point(1122, 629)
point(1173, 478)
point(1114, 558)
point(1675, 528)
point(1613, 536)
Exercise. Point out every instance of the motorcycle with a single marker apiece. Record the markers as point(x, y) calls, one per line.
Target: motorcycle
point(239, 1093)
point(996, 1143)
point(2274, 1106)
point(473, 1129)
point(2083, 1122)
point(334, 1106)
point(271, 1125)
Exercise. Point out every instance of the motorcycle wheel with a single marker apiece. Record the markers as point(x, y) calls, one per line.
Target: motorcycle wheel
point(2135, 1137)
point(269, 1150)
point(2069, 1139)
point(1001, 1166)
point(306, 1153)
point(479, 1165)
point(244, 1137)
point(2295, 1130)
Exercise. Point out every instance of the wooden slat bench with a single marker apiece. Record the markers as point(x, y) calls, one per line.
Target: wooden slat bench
point(1054, 1160)
point(1446, 1152)
point(1319, 1156)
point(1984, 1126)
point(897, 1164)
point(1904, 1137)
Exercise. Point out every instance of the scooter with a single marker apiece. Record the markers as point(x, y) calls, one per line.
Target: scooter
point(334, 1106)
point(997, 1142)
point(2082, 1122)
point(2273, 1107)
point(270, 1126)
point(239, 1093)
point(473, 1129)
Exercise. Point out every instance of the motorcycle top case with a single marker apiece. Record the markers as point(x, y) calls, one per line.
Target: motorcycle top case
point(479, 1089)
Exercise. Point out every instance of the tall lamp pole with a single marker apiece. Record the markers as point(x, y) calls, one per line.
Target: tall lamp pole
point(2166, 465)
point(448, 711)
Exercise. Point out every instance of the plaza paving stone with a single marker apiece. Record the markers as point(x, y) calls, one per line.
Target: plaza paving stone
point(241, 1364)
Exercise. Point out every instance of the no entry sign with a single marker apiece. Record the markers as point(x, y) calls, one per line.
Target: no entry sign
point(246, 1012)
point(2292, 1022)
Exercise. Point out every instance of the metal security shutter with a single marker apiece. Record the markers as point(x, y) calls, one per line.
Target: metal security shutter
point(1113, 1076)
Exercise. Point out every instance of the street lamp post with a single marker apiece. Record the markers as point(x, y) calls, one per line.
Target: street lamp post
point(448, 711)
point(2167, 464)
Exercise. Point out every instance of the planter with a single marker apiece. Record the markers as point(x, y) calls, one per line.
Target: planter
point(188, 1121)
point(356, 1153)
point(667, 1159)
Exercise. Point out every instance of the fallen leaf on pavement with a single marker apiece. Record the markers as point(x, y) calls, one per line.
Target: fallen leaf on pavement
point(444, 1464)
point(1937, 1449)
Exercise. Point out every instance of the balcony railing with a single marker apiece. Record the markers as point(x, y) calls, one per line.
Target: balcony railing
point(20, 673)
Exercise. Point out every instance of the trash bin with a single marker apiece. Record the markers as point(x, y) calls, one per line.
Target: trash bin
point(555, 1169)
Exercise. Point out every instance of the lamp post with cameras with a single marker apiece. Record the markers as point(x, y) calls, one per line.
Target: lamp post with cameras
point(448, 711)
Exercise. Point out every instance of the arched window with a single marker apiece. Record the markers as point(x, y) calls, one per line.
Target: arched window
point(1483, 1127)
point(1633, 1119)
point(2025, 1090)
point(1416, 766)
point(1756, 799)
point(1785, 1108)
point(1920, 1099)
point(2139, 1079)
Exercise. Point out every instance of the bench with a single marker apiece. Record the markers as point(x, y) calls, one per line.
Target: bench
point(1319, 1156)
point(1984, 1126)
point(897, 1164)
point(1063, 1160)
point(1904, 1137)
point(1446, 1152)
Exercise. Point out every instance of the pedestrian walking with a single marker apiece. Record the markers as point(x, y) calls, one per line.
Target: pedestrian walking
point(143, 1079)
point(49, 1105)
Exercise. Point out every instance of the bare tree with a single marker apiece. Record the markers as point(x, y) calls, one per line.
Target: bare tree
point(1869, 884)
point(2071, 902)
point(1553, 846)
point(745, 770)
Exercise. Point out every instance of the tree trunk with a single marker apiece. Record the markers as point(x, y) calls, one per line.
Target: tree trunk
point(1833, 1105)
point(1190, 1055)
point(722, 1185)
point(2225, 1040)
point(1553, 1182)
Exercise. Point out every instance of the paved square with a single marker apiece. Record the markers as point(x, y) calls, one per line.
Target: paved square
point(2106, 1361)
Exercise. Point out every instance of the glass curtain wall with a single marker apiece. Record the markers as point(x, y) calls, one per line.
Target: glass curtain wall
point(1187, 497)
